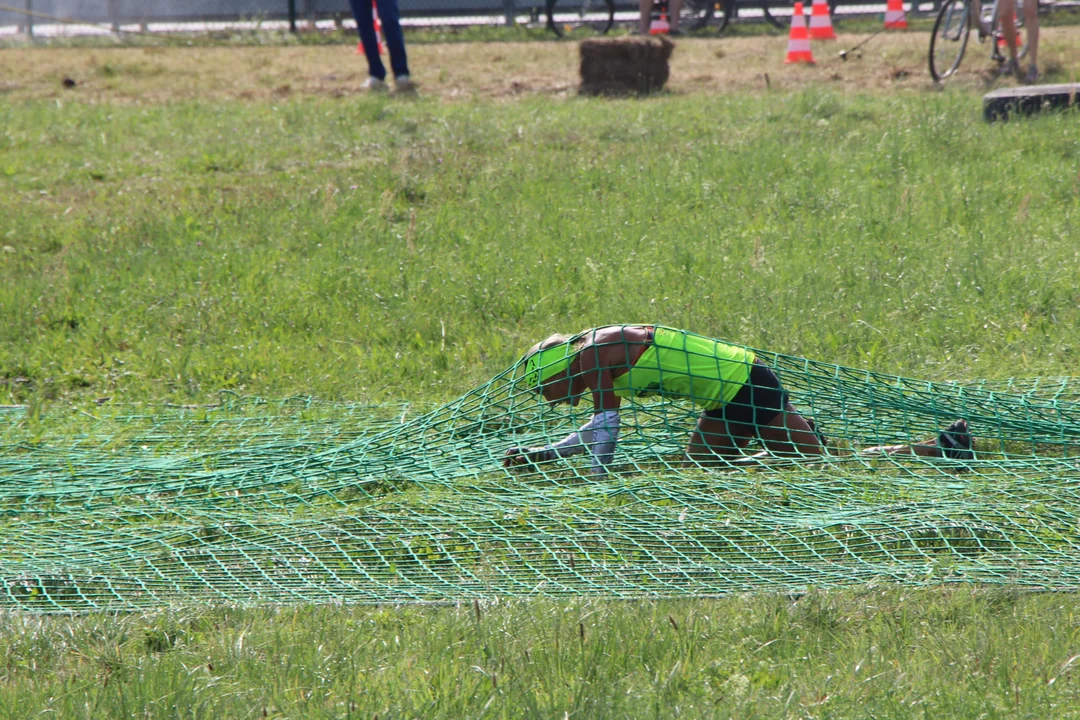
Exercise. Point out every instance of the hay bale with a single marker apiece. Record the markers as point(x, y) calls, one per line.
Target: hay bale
point(624, 66)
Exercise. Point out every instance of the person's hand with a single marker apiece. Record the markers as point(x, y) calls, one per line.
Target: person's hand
point(517, 456)
point(514, 456)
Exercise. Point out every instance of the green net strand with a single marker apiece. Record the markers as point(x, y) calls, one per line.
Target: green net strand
point(247, 501)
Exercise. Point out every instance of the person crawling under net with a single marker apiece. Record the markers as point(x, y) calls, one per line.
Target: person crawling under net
point(741, 398)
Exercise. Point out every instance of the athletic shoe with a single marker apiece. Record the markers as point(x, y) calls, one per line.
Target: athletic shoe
point(1032, 75)
point(1010, 67)
point(373, 84)
point(955, 441)
point(402, 84)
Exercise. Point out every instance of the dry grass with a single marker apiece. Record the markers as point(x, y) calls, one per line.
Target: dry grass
point(491, 70)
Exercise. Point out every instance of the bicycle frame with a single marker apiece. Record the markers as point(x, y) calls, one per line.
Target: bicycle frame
point(955, 22)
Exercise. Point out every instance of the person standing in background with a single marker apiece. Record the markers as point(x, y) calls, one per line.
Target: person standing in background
point(1007, 13)
point(645, 19)
point(1008, 29)
point(395, 43)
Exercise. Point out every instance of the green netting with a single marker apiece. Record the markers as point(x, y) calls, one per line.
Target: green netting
point(302, 501)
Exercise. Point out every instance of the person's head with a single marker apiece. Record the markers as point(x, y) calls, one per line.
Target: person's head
point(548, 368)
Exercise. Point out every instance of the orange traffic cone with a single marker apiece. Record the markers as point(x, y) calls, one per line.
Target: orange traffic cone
point(820, 22)
point(378, 31)
point(659, 22)
point(894, 15)
point(798, 46)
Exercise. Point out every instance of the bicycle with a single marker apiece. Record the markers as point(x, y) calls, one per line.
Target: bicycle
point(695, 15)
point(596, 16)
point(698, 14)
point(949, 39)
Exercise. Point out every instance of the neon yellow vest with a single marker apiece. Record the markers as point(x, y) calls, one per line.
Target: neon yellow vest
point(682, 365)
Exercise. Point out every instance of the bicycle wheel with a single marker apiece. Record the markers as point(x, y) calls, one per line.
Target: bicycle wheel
point(700, 14)
point(949, 38)
point(784, 23)
point(597, 17)
point(770, 18)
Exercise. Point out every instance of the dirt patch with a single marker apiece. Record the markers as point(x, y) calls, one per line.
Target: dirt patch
point(454, 71)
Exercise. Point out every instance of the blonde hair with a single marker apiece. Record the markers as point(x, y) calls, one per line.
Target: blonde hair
point(558, 339)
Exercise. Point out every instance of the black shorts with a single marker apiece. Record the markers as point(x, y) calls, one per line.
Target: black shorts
point(757, 403)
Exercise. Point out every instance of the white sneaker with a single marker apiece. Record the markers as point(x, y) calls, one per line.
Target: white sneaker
point(373, 84)
point(403, 84)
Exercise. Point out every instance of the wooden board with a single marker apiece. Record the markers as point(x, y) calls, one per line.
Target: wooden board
point(1028, 100)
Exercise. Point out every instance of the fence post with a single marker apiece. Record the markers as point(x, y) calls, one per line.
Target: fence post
point(29, 19)
point(509, 11)
point(292, 16)
point(110, 7)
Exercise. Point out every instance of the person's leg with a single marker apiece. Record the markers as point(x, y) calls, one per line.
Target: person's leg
point(977, 19)
point(762, 404)
point(788, 434)
point(954, 442)
point(365, 27)
point(1006, 11)
point(395, 38)
point(760, 409)
point(674, 8)
point(645, 6)
point(715, 441)
point(1031, 22)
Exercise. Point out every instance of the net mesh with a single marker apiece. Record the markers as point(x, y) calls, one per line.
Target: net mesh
point(250, 501)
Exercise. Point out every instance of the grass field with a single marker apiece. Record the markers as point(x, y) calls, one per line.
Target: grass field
point(190, 221)
point(876, 653)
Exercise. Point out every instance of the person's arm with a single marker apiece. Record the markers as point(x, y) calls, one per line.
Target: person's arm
point(598, 437)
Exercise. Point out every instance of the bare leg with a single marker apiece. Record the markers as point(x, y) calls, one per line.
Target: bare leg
point(675, 7)
point(1006, 10)
point(712, 441)
point(1031, 22)
point(977, 19)
point(790, 435)
point(927, 448)
point(646, 15)
point(956, 439)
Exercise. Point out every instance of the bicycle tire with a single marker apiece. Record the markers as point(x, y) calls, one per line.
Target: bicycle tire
point(600, 26)
point(700, 14)
point(952, 25)
point(770, 18)
point(779, 23)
